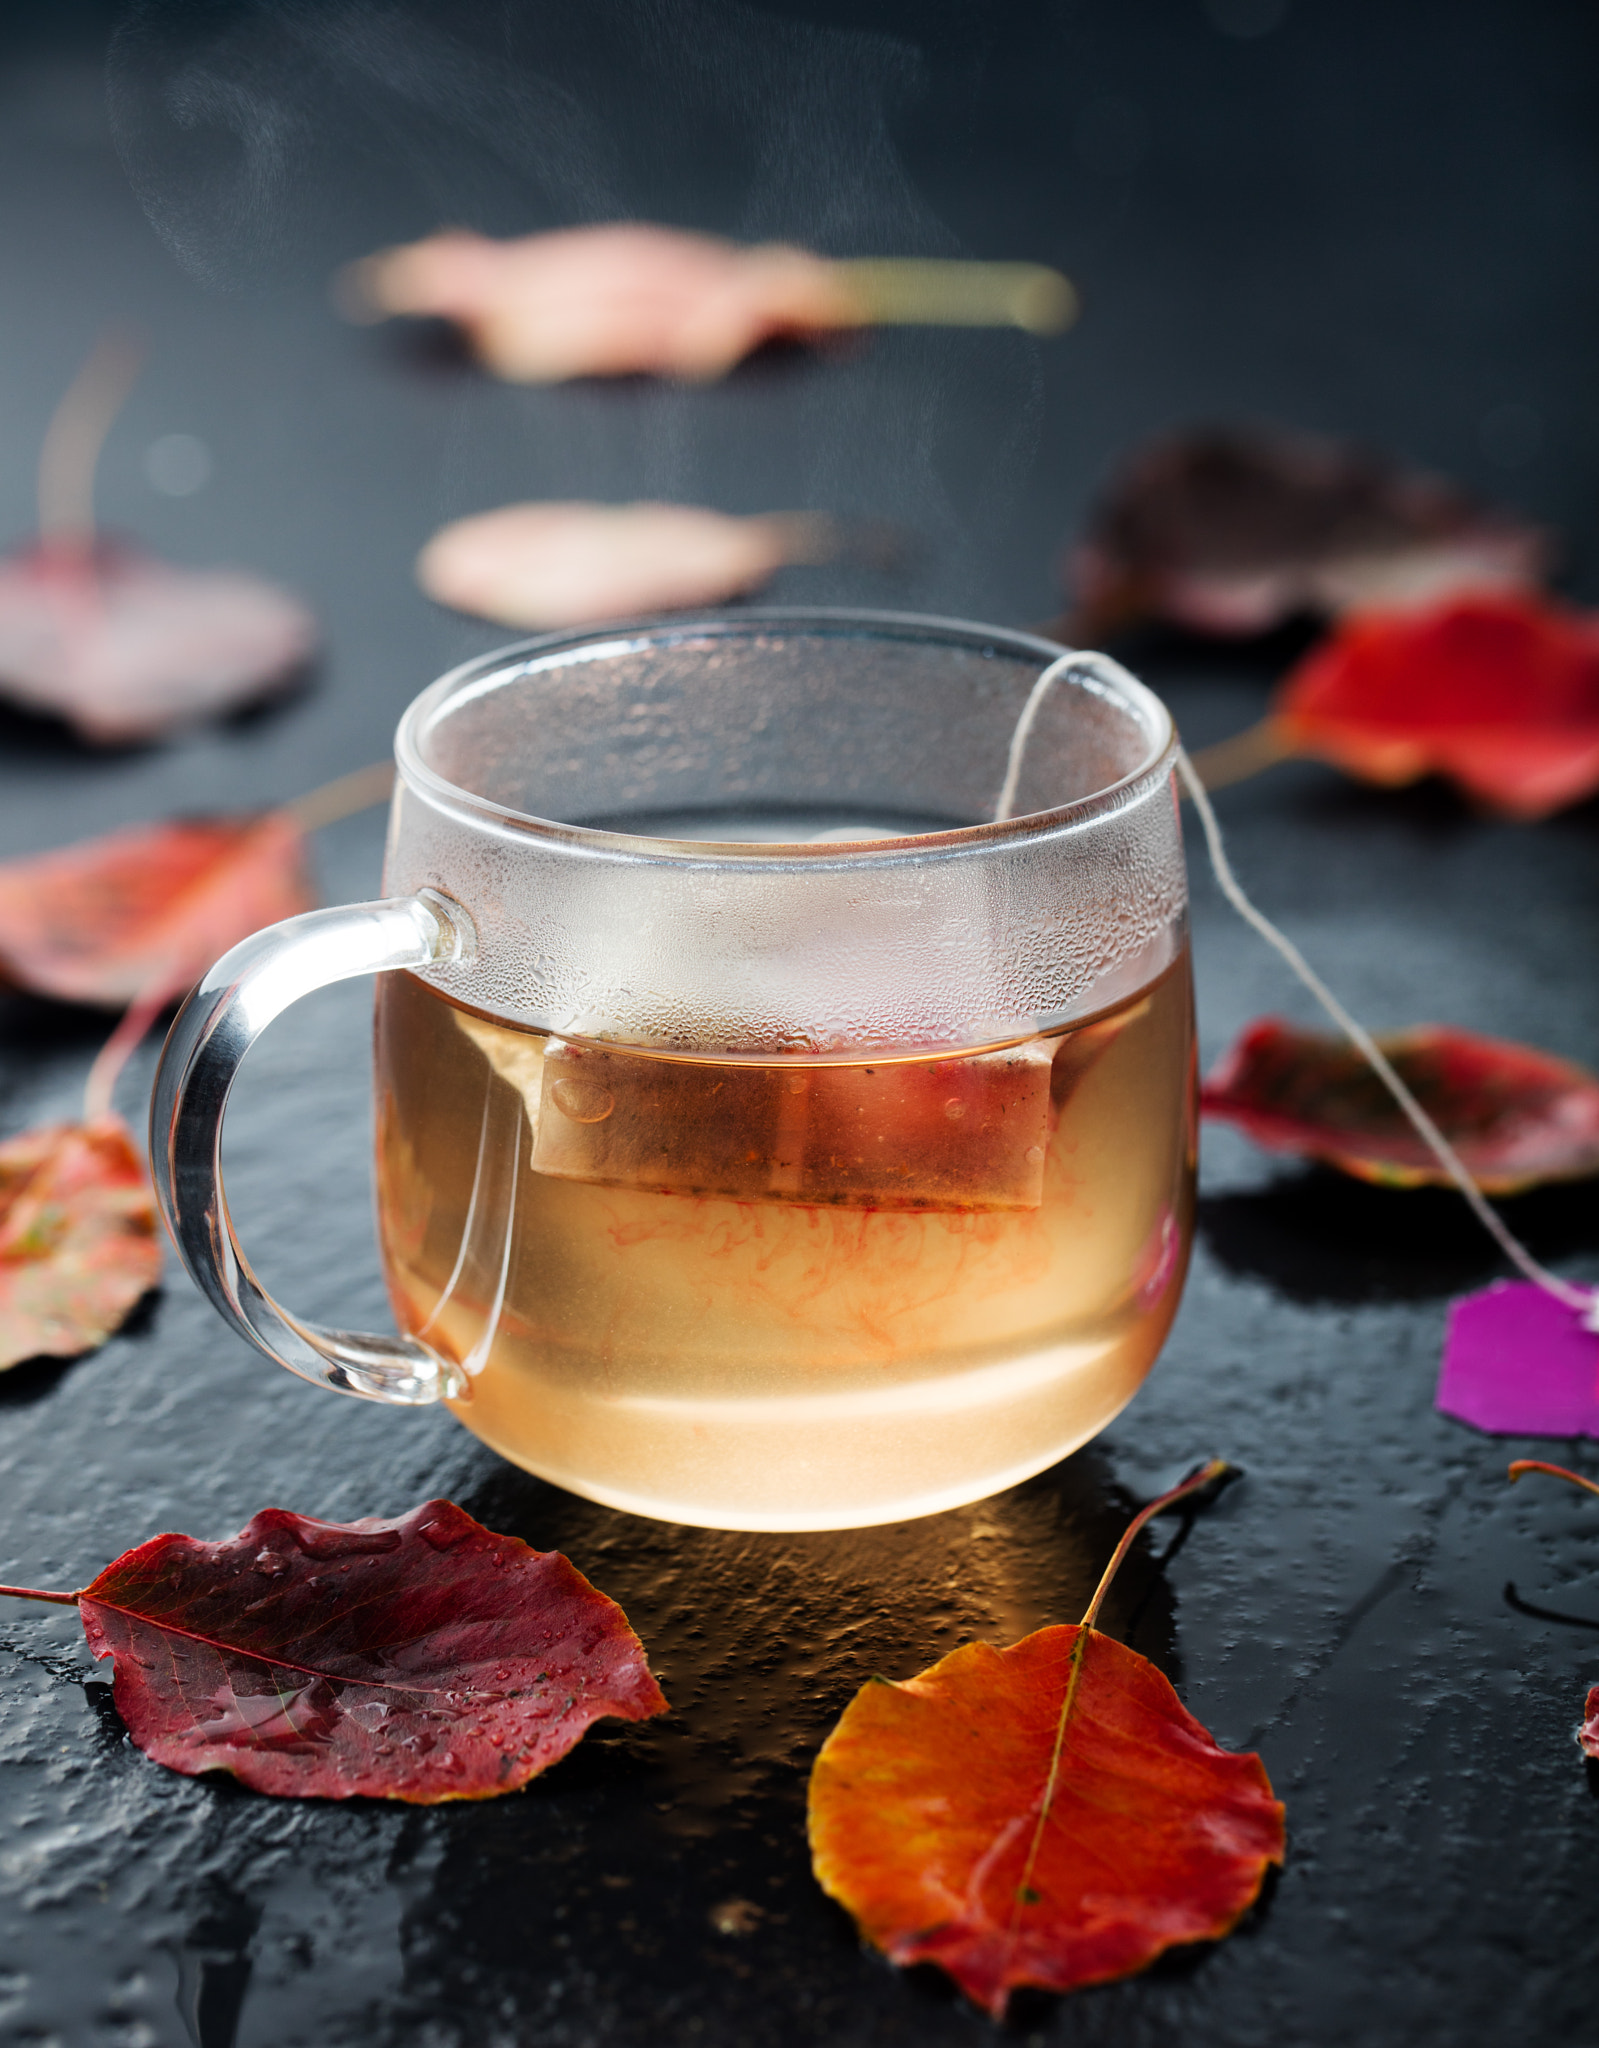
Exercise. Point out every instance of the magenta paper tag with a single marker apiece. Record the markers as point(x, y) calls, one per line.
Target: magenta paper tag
point(1517, 1362)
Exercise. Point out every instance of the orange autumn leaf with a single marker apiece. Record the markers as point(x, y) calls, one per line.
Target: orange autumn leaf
point(141, 913)
point(1498, 692)
point(1048, 1814)
point(547, 565)
point(1516, 1116)
point(79, 1243)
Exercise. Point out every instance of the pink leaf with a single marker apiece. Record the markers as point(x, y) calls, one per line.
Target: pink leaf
point(549, 565)
point(126, 647)
point(606, 301)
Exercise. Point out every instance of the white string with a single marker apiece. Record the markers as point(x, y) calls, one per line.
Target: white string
point(1583, 1300)
point(1023, 733)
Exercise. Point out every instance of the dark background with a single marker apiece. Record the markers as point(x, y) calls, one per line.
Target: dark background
point(1363, 216)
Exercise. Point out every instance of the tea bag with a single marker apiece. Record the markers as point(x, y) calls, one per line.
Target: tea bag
point(965, 1133)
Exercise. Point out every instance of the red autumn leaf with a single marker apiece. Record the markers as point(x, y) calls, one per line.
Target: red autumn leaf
point(143, 912)
point(126, 647)
point(423, 1659)
point(548, 565)
point(1501, 694)
point(1515, 1115)
point(627, 298)
point(1234, 530)
point(79, 1242)
point(1049, 1814)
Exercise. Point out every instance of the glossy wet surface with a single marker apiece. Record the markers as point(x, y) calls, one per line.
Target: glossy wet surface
point(1405, 1638)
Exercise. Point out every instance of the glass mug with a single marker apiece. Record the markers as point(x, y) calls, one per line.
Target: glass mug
point(764, 1140)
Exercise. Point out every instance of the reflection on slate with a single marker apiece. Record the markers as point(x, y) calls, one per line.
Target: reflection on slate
point(1320, 1236)
point(759, 1642)
point(1538, 1612)
point(214, 1967)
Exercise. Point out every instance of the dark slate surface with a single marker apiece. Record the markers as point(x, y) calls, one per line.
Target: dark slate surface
point(1357, 216)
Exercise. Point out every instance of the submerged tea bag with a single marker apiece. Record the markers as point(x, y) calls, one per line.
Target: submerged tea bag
point(966, 1133)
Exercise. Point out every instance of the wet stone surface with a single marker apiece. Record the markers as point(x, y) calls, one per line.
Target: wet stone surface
point(1405, 1638)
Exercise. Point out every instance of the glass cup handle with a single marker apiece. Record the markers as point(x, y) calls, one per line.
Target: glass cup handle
point(213, 1031)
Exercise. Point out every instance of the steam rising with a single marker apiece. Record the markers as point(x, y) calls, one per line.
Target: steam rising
point(271, 141)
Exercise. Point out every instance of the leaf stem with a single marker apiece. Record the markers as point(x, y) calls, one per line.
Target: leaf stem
point(343, 797)
point(114, 1055)
point(1520, 1465)
point(935, 292)
point(1208, 1474)
point(76, 434)
point(1245, 754)
point(33, 1593)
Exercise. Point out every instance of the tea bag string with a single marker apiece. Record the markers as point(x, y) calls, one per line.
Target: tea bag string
point(1584, 1301)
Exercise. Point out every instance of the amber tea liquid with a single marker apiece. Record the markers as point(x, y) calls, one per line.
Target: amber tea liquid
point(806, 1295)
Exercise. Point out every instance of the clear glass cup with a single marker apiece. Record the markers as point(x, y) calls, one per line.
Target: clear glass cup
point(764, 1139)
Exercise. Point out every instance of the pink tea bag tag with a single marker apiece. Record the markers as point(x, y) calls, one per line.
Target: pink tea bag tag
point(1520, 1362)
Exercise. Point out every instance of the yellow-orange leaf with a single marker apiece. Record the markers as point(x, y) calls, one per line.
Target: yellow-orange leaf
point(1048, 1814)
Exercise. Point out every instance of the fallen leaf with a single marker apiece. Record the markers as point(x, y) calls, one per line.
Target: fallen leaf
point(606, 301)
point(628, 298)
point(79, 1241)
point(1519, 1362)
point(422, 1659)
point(1048, 1814)
point(126, 647)
point(143, 912)
point(1501, 694)
point(1515, 1115)
point(549, 565)
point(1232, 531)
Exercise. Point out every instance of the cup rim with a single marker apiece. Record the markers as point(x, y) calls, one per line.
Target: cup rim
point(473, 808)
